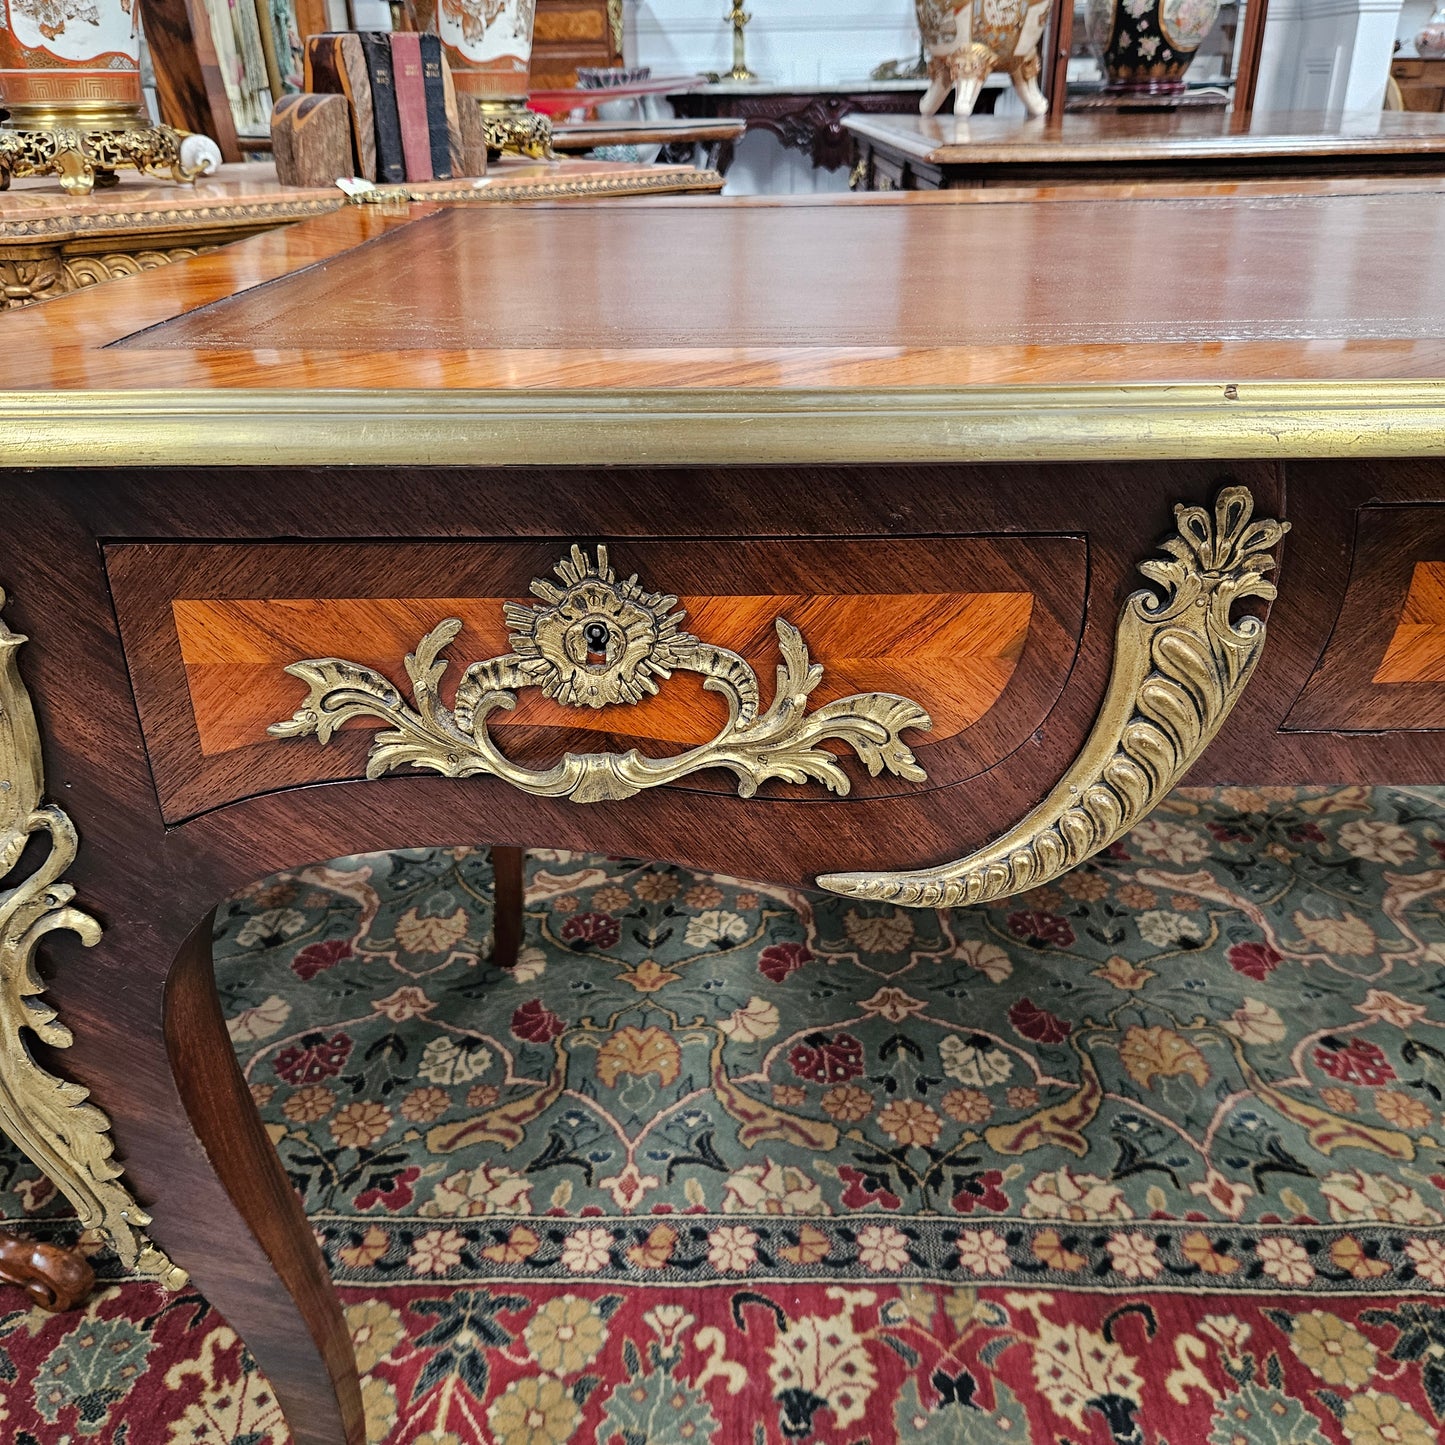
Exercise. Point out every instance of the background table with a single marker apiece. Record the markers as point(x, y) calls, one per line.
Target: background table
point(681, 140)
point(943, 152)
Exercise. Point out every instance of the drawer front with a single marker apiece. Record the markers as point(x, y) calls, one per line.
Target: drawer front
point(978, 632)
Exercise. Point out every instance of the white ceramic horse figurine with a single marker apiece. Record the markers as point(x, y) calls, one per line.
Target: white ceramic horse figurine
point(967, 41)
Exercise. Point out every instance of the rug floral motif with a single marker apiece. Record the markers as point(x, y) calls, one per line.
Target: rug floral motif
point(1153, 1154)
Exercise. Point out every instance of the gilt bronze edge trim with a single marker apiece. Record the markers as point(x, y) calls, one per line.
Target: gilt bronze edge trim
point(1199, 421)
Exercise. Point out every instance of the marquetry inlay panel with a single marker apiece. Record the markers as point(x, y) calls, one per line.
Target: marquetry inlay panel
point(958, 625)
point(1417, 650)
point(955, 650)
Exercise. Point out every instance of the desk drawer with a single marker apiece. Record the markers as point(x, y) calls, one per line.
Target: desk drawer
point(980, 632)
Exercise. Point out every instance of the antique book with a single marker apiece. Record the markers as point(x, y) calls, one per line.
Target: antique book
point(390, 161)
point(411, 105)
point(311, 139)
point(436, 107)
point(241, 60)
point(336, 64)
point(466, 140)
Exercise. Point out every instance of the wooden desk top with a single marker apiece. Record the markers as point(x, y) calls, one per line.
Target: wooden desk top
point(1197, 323)
point(1104, 136)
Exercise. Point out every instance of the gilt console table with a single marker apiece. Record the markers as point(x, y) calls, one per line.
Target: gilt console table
point(52, 243)
point(650, 529)
point(945, 152)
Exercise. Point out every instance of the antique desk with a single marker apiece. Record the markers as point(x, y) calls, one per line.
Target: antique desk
point(1421, 82)
point(52, 243)
point(942, 152)
point(973, 570)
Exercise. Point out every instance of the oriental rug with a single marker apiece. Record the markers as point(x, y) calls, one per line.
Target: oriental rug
point(1151, 1156)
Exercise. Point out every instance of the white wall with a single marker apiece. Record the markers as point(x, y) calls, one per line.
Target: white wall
point(789, 42)
point(1327, 55)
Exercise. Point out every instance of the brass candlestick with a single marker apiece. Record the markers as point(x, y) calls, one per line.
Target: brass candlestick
point(738, 18)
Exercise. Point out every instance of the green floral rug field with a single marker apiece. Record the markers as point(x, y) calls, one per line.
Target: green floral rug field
point(1154, 1154)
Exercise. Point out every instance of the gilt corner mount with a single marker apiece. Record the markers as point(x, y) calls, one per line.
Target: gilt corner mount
point(1180, 664)
point(595, 641)
point(48, 1118)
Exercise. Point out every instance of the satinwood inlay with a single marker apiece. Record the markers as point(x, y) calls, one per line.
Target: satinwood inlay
point(1417, 650)
point(956, 649)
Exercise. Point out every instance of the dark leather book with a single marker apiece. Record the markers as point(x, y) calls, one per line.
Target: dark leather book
point(390, 159)
point(436, 107)
point(411, 104)
point(336, 65)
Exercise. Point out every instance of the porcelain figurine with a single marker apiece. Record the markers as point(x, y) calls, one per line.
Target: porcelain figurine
point(968, 41)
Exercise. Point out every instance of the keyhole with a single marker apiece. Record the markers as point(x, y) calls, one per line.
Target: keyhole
point(597, 637)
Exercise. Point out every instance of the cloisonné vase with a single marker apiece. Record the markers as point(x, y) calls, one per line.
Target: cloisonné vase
point(1145, 46)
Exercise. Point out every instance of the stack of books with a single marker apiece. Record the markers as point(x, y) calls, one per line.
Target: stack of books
point(403, 106)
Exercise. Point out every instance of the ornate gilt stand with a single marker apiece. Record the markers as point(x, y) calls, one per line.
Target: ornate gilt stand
point(84, 156)
point(510, 128)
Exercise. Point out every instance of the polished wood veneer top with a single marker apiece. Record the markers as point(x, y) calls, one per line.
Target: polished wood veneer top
point(1163, 136)
point(1192, 284)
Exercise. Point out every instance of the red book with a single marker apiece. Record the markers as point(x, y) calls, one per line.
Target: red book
point(411, 104)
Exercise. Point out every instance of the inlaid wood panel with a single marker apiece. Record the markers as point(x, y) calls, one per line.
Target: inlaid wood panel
point(1384, 663)
point(1417, 650)
point(956, 624)
point(771, 278)
point(960, 648)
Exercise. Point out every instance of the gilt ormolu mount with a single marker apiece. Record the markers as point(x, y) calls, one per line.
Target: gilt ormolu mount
point(49, 1118)
point(598, 642)
point(1181, 663)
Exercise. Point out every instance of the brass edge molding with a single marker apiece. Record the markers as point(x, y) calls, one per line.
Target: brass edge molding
point(257, 427)
point(186, 219)
point(669, 180)
point(156, 226)
point(48, 1118)
point(1181, 663)
point(597, 641)
point(222, 215)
